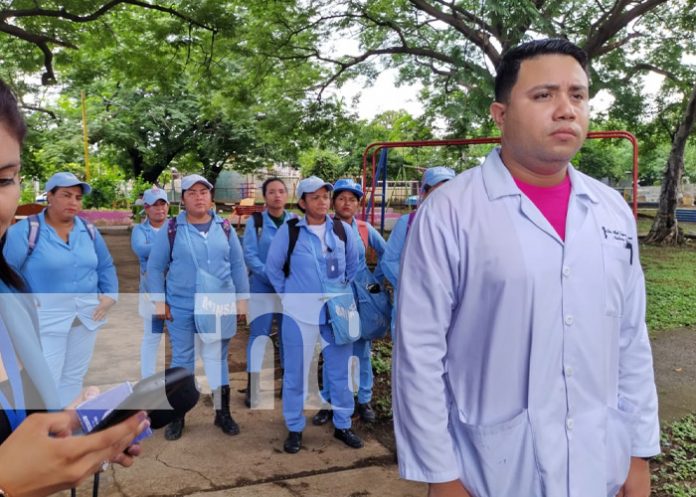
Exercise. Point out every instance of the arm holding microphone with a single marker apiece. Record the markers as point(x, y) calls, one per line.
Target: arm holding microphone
point(42, 457)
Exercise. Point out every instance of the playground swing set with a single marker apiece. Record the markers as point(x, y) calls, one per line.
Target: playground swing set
point(378, 170)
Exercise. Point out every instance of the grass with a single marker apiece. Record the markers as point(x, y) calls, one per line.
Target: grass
point(674, 472)
point(670, 276)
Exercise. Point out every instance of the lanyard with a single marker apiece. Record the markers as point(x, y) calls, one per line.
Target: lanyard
point(15, 416)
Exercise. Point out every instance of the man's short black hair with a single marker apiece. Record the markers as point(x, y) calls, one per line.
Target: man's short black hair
point(509, 67)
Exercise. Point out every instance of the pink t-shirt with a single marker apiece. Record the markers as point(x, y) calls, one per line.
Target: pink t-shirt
point(552, 201)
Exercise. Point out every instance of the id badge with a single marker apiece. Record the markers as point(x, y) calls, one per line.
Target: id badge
point(332, 267)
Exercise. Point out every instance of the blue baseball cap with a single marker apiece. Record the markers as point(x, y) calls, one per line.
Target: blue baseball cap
point(153, 195)
point(311, 185)
point(348, 185)
point(190, 180)
point(434, 175)
point(66, 179)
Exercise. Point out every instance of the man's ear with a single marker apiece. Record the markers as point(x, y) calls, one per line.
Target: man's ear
point(301, 203)
point(497, 110)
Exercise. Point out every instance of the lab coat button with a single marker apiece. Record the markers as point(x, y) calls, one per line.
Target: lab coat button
point(569, 371)
point(566, 271)
point(569, 320)
point(569, 424)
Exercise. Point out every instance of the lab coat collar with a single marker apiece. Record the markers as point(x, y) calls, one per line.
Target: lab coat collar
point(499, 182)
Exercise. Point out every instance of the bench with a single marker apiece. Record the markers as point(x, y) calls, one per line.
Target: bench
point(246, 210)
point(26, 210)
point(686, 215)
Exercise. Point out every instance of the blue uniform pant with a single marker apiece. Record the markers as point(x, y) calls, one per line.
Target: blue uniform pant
point(68, 354)
point(185, 341)
point(299, 340)
point(152, 335)
point(362, 375)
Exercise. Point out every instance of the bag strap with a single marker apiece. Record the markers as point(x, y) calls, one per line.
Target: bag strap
point(34, 230)
point(339, 230)
point(171, 234)
point(364, 233)
point(258, 223)
point(226, 228)
point(293, 234)
point(411, 217)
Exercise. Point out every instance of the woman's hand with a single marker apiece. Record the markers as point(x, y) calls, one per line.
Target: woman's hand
point(42, 456)
point(105, 303)
point(162, 311)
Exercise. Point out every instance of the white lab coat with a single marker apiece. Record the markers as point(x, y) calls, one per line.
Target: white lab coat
point(522, 365)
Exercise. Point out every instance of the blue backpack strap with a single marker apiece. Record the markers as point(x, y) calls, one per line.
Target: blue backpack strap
point(34, 229)
point(171, 234)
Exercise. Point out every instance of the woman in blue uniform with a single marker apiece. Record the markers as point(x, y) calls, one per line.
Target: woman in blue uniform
point(346, 199)
point(319, 261)
point(143, 236)
point(33, 461)
point(258, 233)
point(390, 263)
point(66, 263)
point(198, 243)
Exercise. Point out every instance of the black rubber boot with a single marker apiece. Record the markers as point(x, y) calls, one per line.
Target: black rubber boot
point(174, 429)
point(223, 418)
point(253, 390)
point(366, 413)
point(322, 417)
point(293, 443)
point(348, 437)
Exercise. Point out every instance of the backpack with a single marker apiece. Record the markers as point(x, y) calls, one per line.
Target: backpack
point(171, 232)
point(35, 230)
point(294, 233)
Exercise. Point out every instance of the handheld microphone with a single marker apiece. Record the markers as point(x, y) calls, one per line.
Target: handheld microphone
point(164, 395)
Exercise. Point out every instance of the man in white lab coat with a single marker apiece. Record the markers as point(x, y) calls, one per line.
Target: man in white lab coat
point(523, 366)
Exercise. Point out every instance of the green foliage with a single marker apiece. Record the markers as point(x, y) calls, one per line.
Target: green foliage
point(674, 471)
point(107, 189)
point(323, 163)
point(670, 274)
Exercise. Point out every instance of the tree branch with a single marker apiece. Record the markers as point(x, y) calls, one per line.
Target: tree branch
point(651, 68)
point(479, 38)
point(40, 109)
point(609, 25)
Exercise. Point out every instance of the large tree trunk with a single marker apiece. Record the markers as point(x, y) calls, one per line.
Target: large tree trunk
point(665, 230)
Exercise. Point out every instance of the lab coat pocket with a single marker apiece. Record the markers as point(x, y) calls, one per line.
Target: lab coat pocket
point(617, 261)
point(499, 460)
point(618, 445)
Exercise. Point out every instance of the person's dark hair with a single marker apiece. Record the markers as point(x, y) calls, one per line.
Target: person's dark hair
point(10, 117)
point(298, 203)
point(12, 120)
point(509, 67)
point(265, 184)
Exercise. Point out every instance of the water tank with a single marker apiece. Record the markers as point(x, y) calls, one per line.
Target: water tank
point(231, 187)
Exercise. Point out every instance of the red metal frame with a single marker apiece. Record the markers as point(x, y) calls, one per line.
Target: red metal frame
point(378, 146)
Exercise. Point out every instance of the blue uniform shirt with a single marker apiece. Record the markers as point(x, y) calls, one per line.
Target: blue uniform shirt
point(256, 249)
point(214, 253)
point(308, 267)
point(82, 267)
point(142, 238)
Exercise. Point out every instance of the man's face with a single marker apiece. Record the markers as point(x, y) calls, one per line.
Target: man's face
point(157, 212)
point(545, 120)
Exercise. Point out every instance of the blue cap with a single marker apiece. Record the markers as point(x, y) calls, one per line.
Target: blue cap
point(66, 179)
point(348, 185)
point(190, 180)
point(153, 195)
point(434, 175)
point(311, 185)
